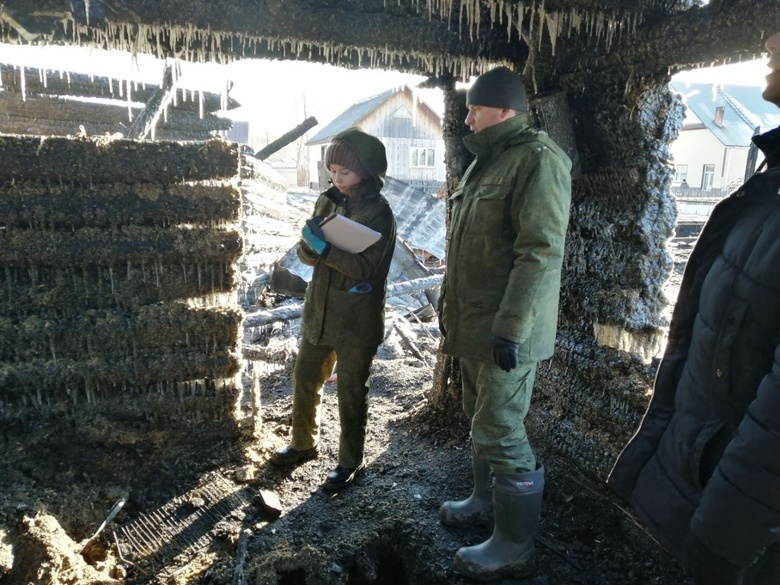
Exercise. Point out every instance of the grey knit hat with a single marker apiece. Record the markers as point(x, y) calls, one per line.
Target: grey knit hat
point(359, 152)
point(498, 88)
point(341, 153)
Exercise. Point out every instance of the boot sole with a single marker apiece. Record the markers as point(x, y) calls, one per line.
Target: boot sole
point(473, 571)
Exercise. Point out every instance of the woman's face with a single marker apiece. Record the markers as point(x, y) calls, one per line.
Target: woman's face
point(345, 179)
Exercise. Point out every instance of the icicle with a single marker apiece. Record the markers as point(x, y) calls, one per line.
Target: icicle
point(129, 104)
point(552, 29)
point(24, 85)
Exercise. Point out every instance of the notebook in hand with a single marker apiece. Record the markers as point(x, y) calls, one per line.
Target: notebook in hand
point(347, 234)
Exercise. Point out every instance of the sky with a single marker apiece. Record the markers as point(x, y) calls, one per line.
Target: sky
point(745, 73)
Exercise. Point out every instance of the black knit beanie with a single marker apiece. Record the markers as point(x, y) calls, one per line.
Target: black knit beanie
point(358, 151)
point(498, 88)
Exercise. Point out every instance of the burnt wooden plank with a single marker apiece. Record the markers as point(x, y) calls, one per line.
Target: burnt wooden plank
point(34, 204)
point(97, 160)
point(131, 244)
point(50, 290)
point(119, 333)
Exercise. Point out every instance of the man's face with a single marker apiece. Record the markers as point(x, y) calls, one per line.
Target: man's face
point(481, 117)
point(772, 91)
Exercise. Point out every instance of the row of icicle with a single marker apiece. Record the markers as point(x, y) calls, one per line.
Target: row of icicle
point(526, 19)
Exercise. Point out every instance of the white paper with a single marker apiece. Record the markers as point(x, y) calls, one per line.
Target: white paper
point(348, 235)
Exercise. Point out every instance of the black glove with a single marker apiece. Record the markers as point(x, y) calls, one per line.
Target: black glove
point(504, 352)
point(707, 567)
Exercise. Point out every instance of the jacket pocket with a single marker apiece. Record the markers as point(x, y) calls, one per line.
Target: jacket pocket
point(490, 213)
point(355, 318)
point(707, 450)
point(725, 348)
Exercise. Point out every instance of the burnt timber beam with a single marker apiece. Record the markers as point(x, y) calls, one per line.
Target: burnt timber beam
point(146, 120)
point(725, 31)
point(287, 138)
point(430, 38)
point(295, 29)
point(53, 83)
point(49, 116)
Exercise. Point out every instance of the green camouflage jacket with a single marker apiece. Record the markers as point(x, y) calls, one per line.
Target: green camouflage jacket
point(509, 219)
point(331, 314)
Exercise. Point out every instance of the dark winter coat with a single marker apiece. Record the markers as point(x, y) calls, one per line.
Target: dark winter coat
point(706, 457)
point(331, 314)
point(507, 234)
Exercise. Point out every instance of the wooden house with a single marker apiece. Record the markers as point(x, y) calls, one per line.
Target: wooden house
point(713, 153)
point(410, 130)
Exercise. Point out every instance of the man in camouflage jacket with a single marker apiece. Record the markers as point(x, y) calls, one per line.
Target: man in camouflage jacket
point(498, 312)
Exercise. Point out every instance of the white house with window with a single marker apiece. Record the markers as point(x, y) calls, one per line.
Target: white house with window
point(713, 152)
point(410, 130)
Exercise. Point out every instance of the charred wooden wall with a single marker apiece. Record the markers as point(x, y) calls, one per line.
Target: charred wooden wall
point(591, 395)
point(117, 284)
point(50, 103)
point(612, 59)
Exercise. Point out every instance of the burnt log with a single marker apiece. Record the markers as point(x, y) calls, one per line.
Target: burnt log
point(287, 138)
point(45, 103)
point(31, 204)
point(114, 161)
point(146, 120)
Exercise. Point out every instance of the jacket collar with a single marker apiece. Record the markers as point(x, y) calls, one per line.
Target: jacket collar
point(482, 142)
point(367, 193)
point(769, 144)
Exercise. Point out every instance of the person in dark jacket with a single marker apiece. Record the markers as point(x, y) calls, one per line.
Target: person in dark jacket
point(703, 470)
point(343, 312)
point(498, 312)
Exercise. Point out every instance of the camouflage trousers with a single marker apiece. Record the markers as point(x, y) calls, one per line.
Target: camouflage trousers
point(312, 368)
point(496, 402)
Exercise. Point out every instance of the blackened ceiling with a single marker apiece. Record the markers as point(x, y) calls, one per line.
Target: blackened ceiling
point(439, 38)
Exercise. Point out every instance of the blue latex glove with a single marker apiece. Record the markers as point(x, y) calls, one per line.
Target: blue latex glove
point(314, 237)
point(504, 352)
point(707, 567)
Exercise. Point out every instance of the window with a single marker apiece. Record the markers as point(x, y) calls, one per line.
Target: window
point(680, 173)
point(422, 157)
point(707, 175)
point(402, 113)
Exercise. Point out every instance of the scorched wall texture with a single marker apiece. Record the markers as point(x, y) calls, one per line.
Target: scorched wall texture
point(117, 281)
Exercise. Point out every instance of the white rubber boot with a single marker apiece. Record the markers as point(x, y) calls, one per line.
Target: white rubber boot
point(477, 509)
point(509, 552)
